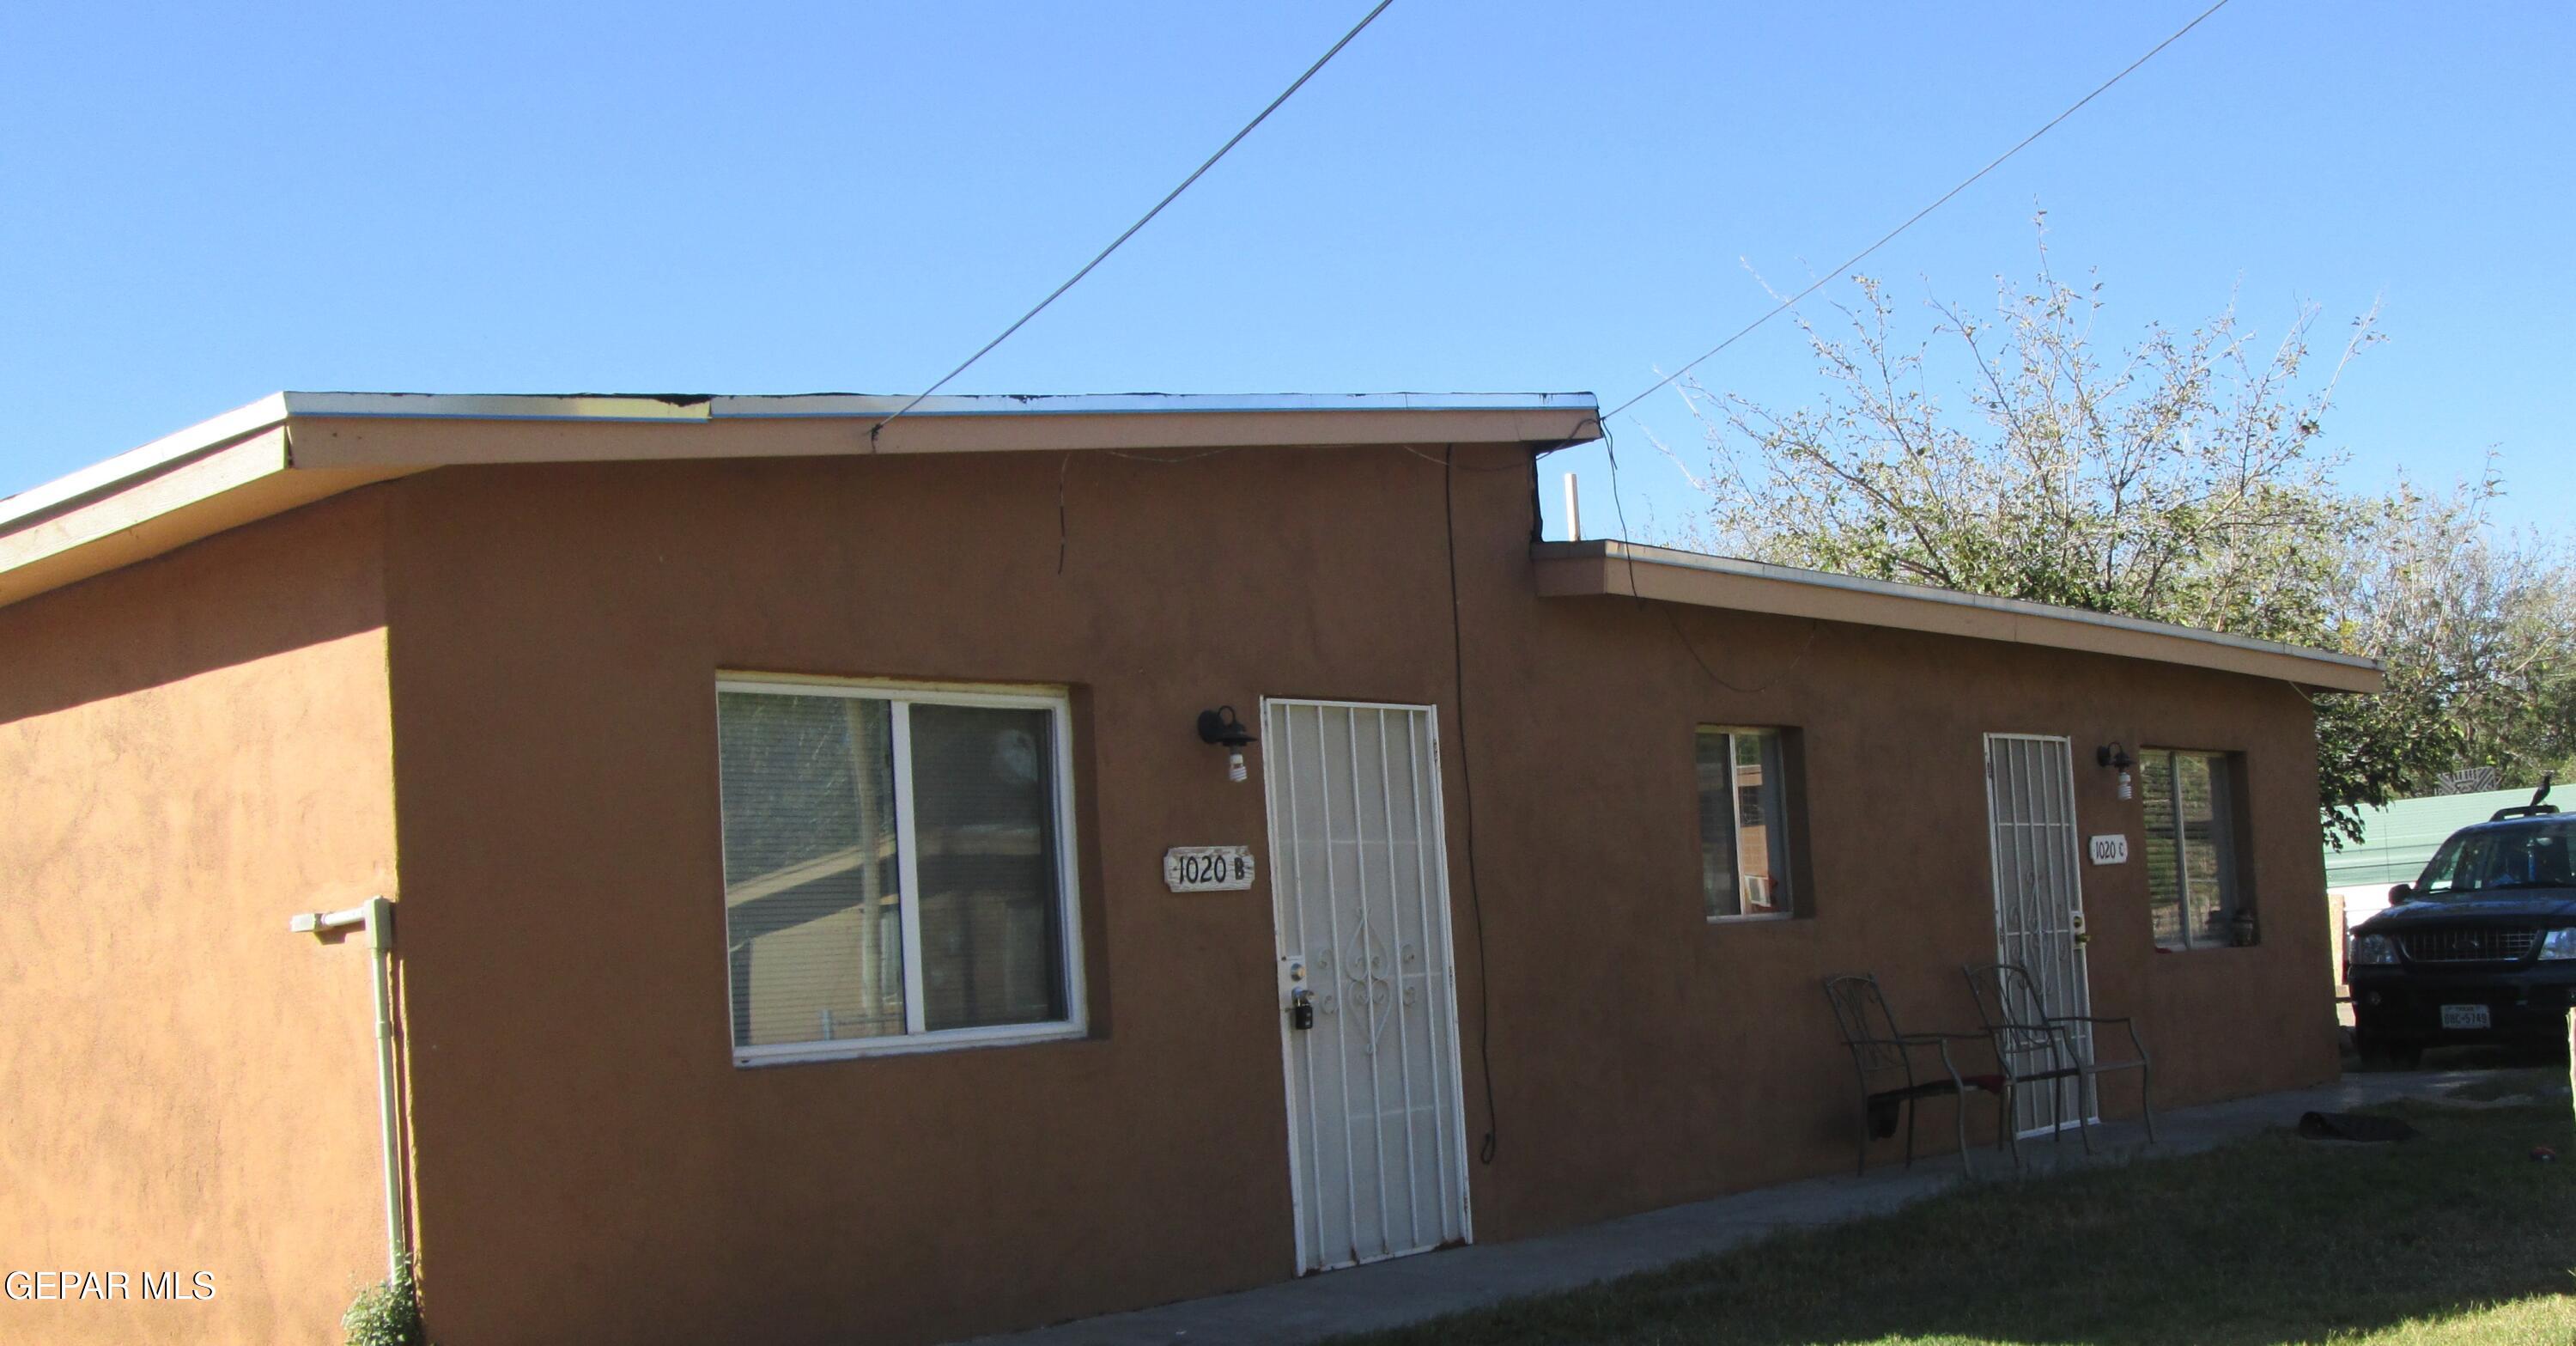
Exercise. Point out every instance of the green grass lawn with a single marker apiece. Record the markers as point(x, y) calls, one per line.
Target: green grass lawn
point(2457, 1237)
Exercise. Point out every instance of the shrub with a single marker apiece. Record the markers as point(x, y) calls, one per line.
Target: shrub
point(387, 1314)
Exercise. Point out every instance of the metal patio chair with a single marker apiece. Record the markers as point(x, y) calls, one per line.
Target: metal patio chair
point(1880, 1051)
point(2020, 1027)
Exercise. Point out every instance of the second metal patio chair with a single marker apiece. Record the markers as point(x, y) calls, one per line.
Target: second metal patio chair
point(2034, 1047)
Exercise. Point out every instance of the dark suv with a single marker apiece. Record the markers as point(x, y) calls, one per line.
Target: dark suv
point(2480, 949)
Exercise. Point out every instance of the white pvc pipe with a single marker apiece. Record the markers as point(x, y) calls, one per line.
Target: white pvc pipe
point(376, 914)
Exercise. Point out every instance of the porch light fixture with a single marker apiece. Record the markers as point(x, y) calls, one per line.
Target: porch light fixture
point(1221, 726)
point(2117, 758)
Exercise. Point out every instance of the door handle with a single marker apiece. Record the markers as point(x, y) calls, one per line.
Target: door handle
point(1301, 997)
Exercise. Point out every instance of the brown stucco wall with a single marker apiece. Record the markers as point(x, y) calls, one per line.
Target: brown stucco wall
point(1678, 1058)
point(593, 1167)
point(190, 750)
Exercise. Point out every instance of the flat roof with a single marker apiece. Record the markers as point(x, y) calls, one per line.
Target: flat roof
point(290, 449)
point(1575, 569)
point(682, 408)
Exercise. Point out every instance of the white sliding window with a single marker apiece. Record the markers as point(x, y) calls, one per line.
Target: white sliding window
point(899, 868)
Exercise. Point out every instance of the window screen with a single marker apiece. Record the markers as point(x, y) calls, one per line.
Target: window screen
point(811, 918)
point(868, 830)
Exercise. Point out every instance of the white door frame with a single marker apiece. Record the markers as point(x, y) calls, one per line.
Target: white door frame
point(1435, 822)
point(2086, 1105)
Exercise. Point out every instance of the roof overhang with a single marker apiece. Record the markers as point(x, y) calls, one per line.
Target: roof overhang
point(291, 449)
point(1574, 569)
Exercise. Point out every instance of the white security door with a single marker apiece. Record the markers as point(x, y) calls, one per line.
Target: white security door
point(1359, 889)
point(2039, 904)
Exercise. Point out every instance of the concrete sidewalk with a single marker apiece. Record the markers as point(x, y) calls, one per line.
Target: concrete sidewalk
point(1410, 1289)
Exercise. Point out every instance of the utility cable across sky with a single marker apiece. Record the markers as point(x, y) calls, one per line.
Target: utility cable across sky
point(1147, 218)
point(1916, 218)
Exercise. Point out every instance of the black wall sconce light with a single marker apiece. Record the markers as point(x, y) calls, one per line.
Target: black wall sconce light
point(1221, 726)
point(2117, 758)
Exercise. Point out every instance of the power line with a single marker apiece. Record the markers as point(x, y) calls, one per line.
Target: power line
point(1964, 184)
point(1147, 218)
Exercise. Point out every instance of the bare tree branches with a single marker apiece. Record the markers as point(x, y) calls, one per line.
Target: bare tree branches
point(2480, 621)
point(2185, 478)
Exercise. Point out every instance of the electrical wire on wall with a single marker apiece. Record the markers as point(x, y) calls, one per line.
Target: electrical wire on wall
point(1467, 787)
point(1063, 533)
point(1449, 468)
point(1619, 504)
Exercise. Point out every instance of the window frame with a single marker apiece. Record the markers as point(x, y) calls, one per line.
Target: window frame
point(1792, 871)
point(2227, 766)
point(902, 695)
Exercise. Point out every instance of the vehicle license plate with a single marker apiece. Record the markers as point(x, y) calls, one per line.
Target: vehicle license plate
point(2464, 1016)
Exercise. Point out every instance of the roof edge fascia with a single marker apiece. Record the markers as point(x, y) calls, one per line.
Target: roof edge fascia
point(289, 449)
point(162, 455)
point(1611, 567)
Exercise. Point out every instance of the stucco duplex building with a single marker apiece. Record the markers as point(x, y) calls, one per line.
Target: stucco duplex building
point(812, 911)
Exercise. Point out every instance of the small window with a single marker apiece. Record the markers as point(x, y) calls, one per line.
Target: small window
point(1744, 824)
point(2191, 859)
point(898, 869)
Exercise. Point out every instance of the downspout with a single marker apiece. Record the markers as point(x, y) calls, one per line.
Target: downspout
point(377, 915)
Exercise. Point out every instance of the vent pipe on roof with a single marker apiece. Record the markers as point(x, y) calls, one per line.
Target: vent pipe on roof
point(1573, 511)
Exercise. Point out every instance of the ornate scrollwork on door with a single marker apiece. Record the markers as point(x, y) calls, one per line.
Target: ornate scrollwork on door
point(1371, 984)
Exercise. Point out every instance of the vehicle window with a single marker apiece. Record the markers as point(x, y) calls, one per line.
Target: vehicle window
point(2482, 860)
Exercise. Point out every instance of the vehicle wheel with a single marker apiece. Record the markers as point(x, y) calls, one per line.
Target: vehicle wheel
point(2378, 1053)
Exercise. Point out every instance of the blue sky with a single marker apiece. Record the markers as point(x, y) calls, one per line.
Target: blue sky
point(201, 204)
